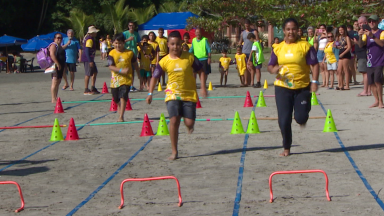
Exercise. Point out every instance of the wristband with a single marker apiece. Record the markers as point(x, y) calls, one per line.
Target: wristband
point(149, 94)
point(121, 69)
point(315, 81)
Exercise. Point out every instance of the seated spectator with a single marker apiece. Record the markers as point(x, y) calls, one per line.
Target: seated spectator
point(17, 62)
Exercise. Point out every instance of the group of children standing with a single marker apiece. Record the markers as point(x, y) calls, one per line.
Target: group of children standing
point(241, 60)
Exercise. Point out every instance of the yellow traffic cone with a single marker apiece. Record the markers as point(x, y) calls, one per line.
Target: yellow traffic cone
point(265, 84)
point(210, 86)
point(56, 132)
point(329, 125)
point(159, 88)
point(253, 127)
point(237, 127)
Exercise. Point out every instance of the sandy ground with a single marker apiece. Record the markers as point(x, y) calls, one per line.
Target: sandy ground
point(60, 176)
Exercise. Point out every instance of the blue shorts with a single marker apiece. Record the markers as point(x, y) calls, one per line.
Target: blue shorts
point(320, 55)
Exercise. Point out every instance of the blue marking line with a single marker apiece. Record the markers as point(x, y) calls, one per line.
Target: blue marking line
point(108, 180)
point(241, 171)
point(48, 114)
point(359, 173)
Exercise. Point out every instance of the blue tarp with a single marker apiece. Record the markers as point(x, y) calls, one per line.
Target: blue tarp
point(168, 21)
point(10, 41)
point(35, 44)
point(50, 36)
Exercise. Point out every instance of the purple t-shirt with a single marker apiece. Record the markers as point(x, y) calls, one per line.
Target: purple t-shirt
point(311, 57)
point(375, 53)
point(197, 65)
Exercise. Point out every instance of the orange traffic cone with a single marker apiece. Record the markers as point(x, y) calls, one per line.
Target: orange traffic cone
point(113, 106)
point(146, 130)
point(72, 131)
point(58, 107)
point(105, 89)
point(128, 107)
point(198, 104)
point(248, 100)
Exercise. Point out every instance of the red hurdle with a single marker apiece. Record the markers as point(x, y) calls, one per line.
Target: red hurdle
point(149, 179)
point(21, 194)
point(297, 172)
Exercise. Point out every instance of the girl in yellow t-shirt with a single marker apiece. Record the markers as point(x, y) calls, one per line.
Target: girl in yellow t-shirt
point(120, 61)
point(186, 39)
point(241, 65)
point(291, 61)
point(330, 60)
point(181, 94)
point(225, 61)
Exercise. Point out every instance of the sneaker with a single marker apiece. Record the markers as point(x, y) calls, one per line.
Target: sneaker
point(94, 91)
point(258, 85)
point(88, 92)
point(133, 89)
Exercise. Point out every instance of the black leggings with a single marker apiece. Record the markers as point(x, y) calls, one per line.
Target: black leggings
point(288, 100)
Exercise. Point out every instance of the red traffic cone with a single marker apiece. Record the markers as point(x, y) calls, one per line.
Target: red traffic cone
point(105, 89)
point(248, 100)
point(113, 106)
point(58, 107)
point(146, 130)
point(72, 131)
point(198, 104)
point(128, 107)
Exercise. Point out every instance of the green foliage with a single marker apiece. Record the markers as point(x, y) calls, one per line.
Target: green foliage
point(79, 22)
point(142, 15)
point(171, 6)
point(117, 15)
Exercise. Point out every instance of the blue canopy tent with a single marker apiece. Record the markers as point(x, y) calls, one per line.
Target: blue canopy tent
point(50, 36)
point(168, 21)
point(6, 41)
point(35, 44)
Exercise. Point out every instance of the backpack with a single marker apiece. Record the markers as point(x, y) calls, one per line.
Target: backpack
point(43, 58)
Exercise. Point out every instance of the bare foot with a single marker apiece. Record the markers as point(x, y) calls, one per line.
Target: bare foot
point(173, 157)
point(376, 104)
point(285, 153)
point(302, 126)
point(54, 101)
point(322, 86)
point(190, 131)
point(381, 106)
point(120, 120)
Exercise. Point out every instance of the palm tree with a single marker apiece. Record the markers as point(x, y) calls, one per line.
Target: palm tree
point(169, 7)
point(142, 15)
point(79, 22)
point(118, 15)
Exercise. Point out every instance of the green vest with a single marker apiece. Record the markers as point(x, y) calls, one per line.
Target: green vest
point(199, 49)
point(311, 40)
point(258, 56)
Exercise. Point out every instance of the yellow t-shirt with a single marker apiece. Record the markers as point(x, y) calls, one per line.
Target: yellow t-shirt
point(225, 61)
point(295, 72)
point(145, 63)
point(163, 45)
point(154, 47)
point(364, 38)
point(241, 64)
point(89, 43)
point(330, 56)
point(109, 43)
point(122, 60)
point(181, 82)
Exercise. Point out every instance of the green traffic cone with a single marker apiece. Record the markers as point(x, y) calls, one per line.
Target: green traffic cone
point(329, 125)
point(237, 127)
point(253, 127)
point(260, 100)
point(314, 101)
point(56, 132)
point(162, 130)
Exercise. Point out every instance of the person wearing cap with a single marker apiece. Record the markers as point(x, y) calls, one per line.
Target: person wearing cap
point(374, 39)
point(88, 57)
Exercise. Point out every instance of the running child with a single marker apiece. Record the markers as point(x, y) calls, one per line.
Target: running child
point(241, 64)
point(181, 95)
point(120, 62)
point(224, 63)
point(146, 55)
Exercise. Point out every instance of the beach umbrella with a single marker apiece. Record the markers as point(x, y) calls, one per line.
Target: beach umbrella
point(6, 41)
point(35, 44)
point(51, 36)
